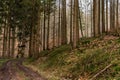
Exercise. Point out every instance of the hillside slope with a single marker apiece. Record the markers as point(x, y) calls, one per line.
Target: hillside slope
point(95, 58)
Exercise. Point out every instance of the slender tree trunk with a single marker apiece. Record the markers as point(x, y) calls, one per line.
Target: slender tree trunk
point(99, 16)
point(103, 17)
point(106, 15)
point(44, 29)
point(30, 42)
point(4, 41)
point(117, 15)
point(13, 43)
point(59, 25)
point(91, 20)
point(54, 28)
point(48, 28)
point(63, 23)
point(9, 42)
point(77, 16)
point(71, 19)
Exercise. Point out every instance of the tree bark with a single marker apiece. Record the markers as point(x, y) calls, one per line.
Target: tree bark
point(63, 23)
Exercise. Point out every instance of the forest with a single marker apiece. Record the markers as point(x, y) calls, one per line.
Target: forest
point(59, 40)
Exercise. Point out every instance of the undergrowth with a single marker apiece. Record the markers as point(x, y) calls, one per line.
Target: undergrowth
point(82, 63)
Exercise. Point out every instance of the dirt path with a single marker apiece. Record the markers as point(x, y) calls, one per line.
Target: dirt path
point(14, 70)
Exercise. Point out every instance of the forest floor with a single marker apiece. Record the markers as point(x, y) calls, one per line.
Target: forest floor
point(14, 70)
point(93, 59)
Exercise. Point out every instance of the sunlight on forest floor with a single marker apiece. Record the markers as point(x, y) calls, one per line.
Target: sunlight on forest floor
point(90, 58)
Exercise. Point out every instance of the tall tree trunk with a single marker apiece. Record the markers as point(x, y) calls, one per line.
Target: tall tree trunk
point(117, 15)
point(13, 43)
point(31, 42)
point(106, 15)
point(112, 16)
point(99, 16)
point(38, 35)
point(9, 42)
point(95, 17)
point(75, 23)
point(103, 17)
point(63, 23)
point(59, 25)
point(48, 28)
point(91, 20)
point(4, 41)
point(54, 28)
point(44, 29)
point(32, 35)
point(71, 19)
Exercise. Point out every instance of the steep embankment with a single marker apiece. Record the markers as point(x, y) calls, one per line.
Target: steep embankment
point(95, 58)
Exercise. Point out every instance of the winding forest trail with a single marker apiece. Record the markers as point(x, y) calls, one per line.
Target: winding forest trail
point(15, 70)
